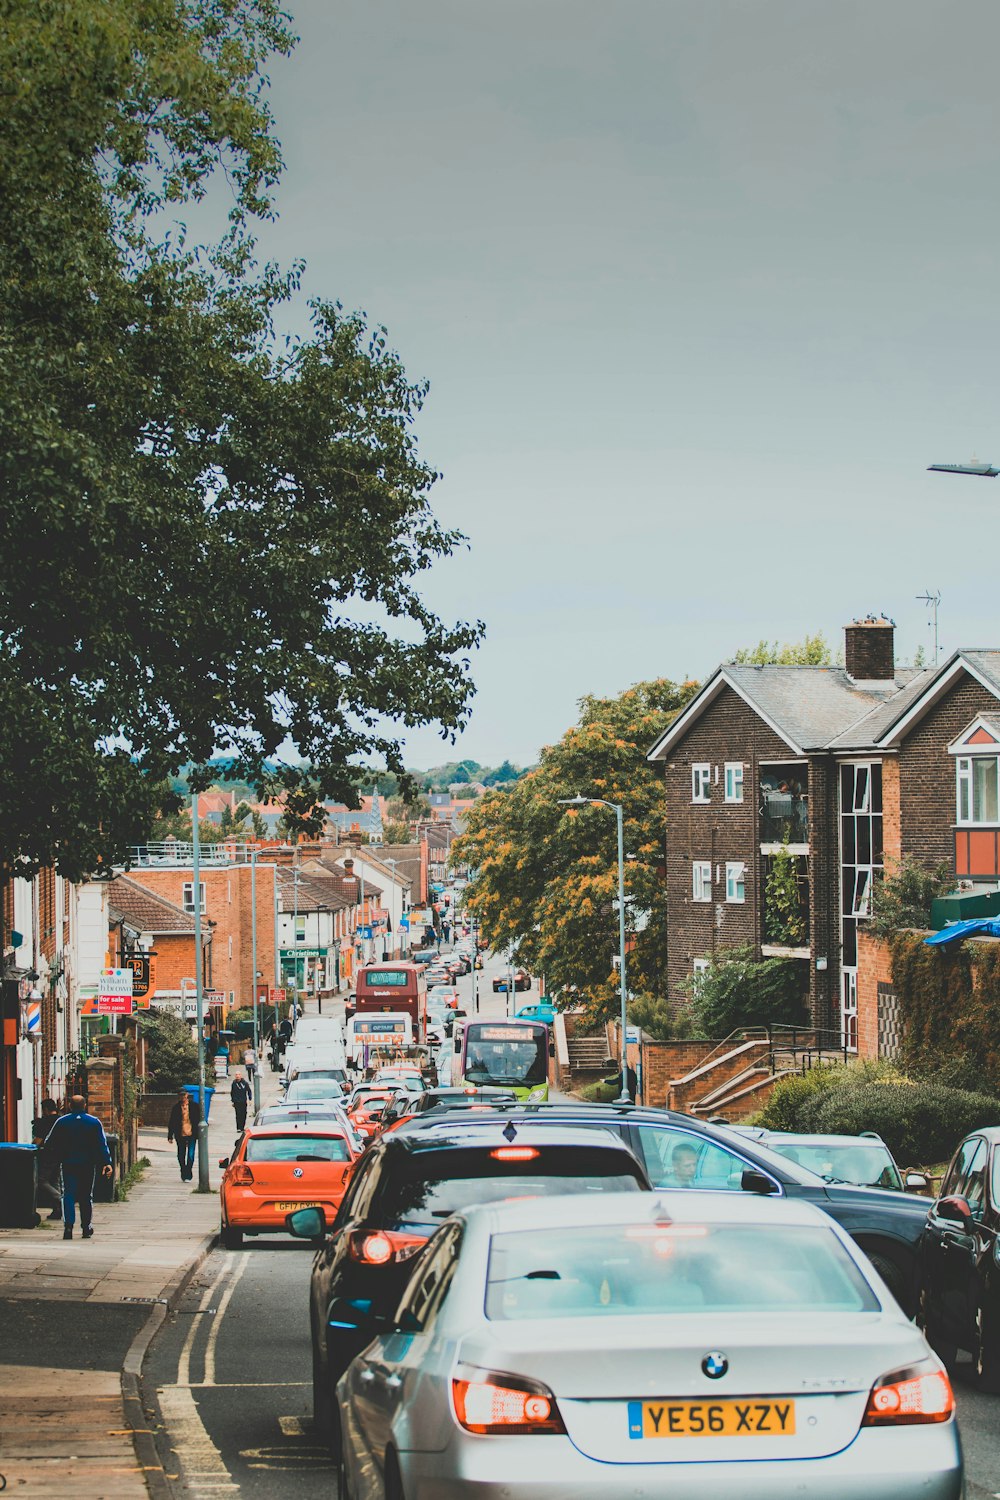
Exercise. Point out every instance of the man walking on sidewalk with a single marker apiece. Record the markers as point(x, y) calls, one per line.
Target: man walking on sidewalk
point(240, 1095)
point(182, 1127)
point(77, 1140)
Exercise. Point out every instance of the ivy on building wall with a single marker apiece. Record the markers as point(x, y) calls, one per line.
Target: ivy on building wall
point(783, 919)
point(949, 999)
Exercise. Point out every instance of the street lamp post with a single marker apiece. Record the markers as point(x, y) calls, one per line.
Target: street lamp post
point(199, 995)
point(616, 807)
point(253, 969)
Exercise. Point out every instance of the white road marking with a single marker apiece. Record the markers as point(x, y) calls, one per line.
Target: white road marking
point(201, 1461)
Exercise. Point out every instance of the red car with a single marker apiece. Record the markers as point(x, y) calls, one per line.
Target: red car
point(279, 1168)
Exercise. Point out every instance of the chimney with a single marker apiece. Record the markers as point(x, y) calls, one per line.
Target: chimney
point(868, 650)
point(349, 868)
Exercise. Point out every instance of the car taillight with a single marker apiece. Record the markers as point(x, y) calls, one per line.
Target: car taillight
point(381, 1247)
point(514, 1153)
point(241, 1176)
point(909, 1396)
point(493, 1403)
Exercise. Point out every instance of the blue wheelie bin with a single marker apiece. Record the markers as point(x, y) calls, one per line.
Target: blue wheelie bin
point(194, 1091)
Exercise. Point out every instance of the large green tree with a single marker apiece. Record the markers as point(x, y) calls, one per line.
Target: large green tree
point(209, 535)
point(546, 876)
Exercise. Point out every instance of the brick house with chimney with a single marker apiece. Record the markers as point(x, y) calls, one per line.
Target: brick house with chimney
point(799, 763)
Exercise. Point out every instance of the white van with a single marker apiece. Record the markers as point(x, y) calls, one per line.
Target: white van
point(380, 1032)
point(318, 1031)
point(327, 1061)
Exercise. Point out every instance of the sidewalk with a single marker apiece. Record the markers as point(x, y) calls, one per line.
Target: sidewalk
point(76, 1317)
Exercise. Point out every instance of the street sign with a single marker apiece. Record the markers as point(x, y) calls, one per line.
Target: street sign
point(363, 932)
point(277, 997)
point(214, 997)
point(633, 1034)
point(114, 992)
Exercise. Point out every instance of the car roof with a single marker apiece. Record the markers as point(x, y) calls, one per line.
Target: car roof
point(692, 1207)
point(487, 1135)
point(805, 1138)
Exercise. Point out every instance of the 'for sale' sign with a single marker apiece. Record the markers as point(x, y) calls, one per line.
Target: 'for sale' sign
point(114, 992)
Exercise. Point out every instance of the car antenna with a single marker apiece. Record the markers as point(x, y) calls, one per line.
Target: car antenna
point(509, 1130)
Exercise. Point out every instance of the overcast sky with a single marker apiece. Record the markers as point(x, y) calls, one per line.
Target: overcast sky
point(700, 287)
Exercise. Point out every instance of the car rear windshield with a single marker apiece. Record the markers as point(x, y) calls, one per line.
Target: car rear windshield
point(297, 1148)
point(683, 1268)
point(325, 1088)
point(428, 1186)
point(865, 1165)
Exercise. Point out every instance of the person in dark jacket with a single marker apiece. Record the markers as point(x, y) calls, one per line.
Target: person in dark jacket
point(240, 1095)
point(182, 1127)
point(78, 1143)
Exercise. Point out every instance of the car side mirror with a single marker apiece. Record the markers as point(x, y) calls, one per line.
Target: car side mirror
point(955, 1210)
point(757, 1182)
point(306, 1223)
point(916, 1182)
point(223, 1161)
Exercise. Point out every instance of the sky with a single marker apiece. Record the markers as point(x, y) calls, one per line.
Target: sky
point(701, 287)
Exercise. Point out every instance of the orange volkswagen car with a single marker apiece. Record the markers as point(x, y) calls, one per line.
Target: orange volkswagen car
point(279, 1168)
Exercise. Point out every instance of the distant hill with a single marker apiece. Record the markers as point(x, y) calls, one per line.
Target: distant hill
point(435, 779)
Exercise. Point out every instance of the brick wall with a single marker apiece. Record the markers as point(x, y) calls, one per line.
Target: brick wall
point(892, 844)
point(662, 1062)
point(228, 908)
point(729, 730)
point(874, 968)
point(927, 772)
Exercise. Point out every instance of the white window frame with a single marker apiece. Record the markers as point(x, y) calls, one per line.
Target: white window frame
point(734, 781)
point(861, 901)
point(701, 880)
point(701, 781)
point(187, 896)
point(965, 791)
point(736, 871)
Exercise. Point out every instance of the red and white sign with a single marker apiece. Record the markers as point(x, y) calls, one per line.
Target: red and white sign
point(277, 997)
point(214, 997)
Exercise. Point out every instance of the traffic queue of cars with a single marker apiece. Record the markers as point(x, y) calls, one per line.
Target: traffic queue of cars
point(561, 1300)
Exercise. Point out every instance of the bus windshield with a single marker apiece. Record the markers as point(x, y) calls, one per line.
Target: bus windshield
point(504, 1054)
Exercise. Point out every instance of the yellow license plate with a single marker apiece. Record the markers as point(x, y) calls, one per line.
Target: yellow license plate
point(290, 1208)
point(666, 1419)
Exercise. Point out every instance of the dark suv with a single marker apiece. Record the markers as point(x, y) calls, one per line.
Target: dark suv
point(401, 1192)
point(680, 1151)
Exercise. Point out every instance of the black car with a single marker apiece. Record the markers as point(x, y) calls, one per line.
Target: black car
point(959, 1265)
point(681, 1151)
point(402, 1190)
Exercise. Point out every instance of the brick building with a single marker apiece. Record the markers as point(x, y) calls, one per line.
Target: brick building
point(786, 762)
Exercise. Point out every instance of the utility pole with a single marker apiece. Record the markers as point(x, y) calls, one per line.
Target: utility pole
point(199, 995)
point(932, 601)
point(253, 970)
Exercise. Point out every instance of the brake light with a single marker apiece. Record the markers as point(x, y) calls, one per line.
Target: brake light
point(382, 1247)
point(498, 1404)
point(514, 1153)
point(910, 1396)
point(241, 1176)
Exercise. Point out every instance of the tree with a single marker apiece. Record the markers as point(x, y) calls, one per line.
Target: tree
point(738, 990)
point(156, 437)
point(784, 921)
point(546, 876)
point(902, 897)
point(171, 1055)
point(502, 775)
point(811, 651)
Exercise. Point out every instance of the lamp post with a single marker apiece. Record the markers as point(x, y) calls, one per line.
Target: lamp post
point(199, 995)
point(253, 968)
point(616, 807)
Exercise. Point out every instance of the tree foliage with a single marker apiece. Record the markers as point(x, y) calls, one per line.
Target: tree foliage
point(811, 651)
point(784, 920)
point(545, 877)
point(903, 895)
point(190, 507)
point(738, 990)
point(171, 1055)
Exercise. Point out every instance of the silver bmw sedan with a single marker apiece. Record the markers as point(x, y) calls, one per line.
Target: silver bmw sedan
point(691, 1345)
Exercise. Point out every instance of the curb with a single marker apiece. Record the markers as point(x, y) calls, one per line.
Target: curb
point(137, 1419)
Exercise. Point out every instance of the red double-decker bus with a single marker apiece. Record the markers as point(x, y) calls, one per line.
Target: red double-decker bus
point(393, 986)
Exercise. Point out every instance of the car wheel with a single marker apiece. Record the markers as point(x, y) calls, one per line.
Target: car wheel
point(986, 1355)
point(945, 1348)
point(893, 1276)
point(232, 1238)
point(393, 1478)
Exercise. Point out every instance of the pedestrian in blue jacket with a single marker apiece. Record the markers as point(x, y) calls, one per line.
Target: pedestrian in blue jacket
point(77, 1140)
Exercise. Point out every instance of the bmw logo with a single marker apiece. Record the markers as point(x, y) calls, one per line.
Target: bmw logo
point(296, 1171)
point(715, 1364)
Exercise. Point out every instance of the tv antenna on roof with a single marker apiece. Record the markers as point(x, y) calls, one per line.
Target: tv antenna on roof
point(932, 601)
